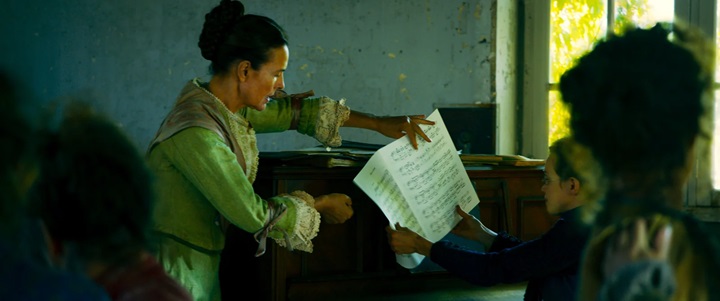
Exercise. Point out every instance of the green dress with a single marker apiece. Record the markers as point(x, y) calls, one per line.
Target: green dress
point(205, 159)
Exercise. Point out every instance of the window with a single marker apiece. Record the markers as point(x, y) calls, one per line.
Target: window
point(556, 32)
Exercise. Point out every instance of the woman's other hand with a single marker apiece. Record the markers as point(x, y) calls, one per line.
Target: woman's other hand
point(398, 126)
point(335, 208)
point(391, 126)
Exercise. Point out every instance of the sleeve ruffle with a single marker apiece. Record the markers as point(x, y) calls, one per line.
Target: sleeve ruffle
point(331, 116)
point(307, 223)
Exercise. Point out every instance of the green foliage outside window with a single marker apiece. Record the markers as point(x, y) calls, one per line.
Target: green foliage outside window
point(575, 26)
point(632, 12)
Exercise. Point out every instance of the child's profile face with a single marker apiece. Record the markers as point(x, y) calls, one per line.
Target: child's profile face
point(558, 196)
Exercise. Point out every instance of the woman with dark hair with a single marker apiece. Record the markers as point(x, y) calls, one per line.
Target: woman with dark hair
point(205, 153)
point(640, 102)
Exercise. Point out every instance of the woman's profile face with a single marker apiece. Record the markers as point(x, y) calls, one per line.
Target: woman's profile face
point(264, 81)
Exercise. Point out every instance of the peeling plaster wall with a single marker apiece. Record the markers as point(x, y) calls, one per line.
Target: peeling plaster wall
point(132, 57)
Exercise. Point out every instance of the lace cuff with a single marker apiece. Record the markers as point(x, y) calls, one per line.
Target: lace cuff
point(307, 223)
point(331, 116)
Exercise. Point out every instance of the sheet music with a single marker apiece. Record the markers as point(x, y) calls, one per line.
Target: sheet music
point(419, 188)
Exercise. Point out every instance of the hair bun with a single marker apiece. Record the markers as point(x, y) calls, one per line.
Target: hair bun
point(218, 25)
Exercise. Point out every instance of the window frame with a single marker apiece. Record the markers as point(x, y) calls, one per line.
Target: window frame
point(702, 199)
